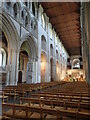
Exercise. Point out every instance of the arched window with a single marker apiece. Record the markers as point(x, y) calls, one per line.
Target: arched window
point(56, 54)
point(43, 21)
point(33, 8)
point(32, 24)
point(26, 3)
point(51, 49)
point(35, 27)
point(60, 57)
point(43, 43)
point(76, 64)
point(16, 10)
point(26, 21)
point(2, 58)
point(8, 5)
point(51, 33)
point(22, 14)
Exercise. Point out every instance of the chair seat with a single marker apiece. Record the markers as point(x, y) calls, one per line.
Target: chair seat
point(10, 112)
point(35, 115)
point(50, 117)
point(22, 115)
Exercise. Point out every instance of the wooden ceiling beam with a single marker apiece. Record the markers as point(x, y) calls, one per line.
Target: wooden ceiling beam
point(68, 14)
point(70, 36)
point(54, 7)
point(66, 22)
point(70, 32)
point(63, 19)
point(65, 30)
point(66, 26)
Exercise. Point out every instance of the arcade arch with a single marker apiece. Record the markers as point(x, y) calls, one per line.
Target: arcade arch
point(11, 35)
point(23, 60)
point(27, 59)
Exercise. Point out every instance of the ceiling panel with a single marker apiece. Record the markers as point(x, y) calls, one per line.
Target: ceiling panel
point(65, 19)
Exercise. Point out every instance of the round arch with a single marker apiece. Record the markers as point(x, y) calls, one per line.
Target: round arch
point(75, 63)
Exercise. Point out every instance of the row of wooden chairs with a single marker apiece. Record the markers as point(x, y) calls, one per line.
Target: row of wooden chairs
point(28, 112)
point(54, 102)
point(22, 89)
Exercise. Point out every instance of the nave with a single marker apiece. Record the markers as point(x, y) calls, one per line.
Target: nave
point(43, 101)
point(44, 60)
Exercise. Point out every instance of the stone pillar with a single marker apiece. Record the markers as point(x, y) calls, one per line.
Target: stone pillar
point(8, 67)
point(39, 69)
point(48, 60)
point(13, 67)
point(17, 66)
point(54, 70)
point(86, 39)
point(39, 57)
point(34, 72)
point(29, 72)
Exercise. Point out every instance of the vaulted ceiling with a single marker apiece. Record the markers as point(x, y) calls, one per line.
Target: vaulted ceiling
point(65, 19)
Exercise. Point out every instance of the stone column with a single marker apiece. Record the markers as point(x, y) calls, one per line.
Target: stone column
point(39, 69)
point(47, 60)
point(17, 65)
point(54, 70)
point(8, 67)
point(86, 39)
point(34, 72)
point(29, 72)
point(13, 67)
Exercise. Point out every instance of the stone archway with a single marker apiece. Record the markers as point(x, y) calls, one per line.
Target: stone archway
point(10, 32)
point(76, 64)
point(20, 77)
point(28, 45)
point(23, 60)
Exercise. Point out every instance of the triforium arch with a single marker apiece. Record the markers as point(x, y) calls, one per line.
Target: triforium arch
point(28, 48)
point(9, 30)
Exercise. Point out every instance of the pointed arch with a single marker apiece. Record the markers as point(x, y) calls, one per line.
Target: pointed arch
point(32, 45)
